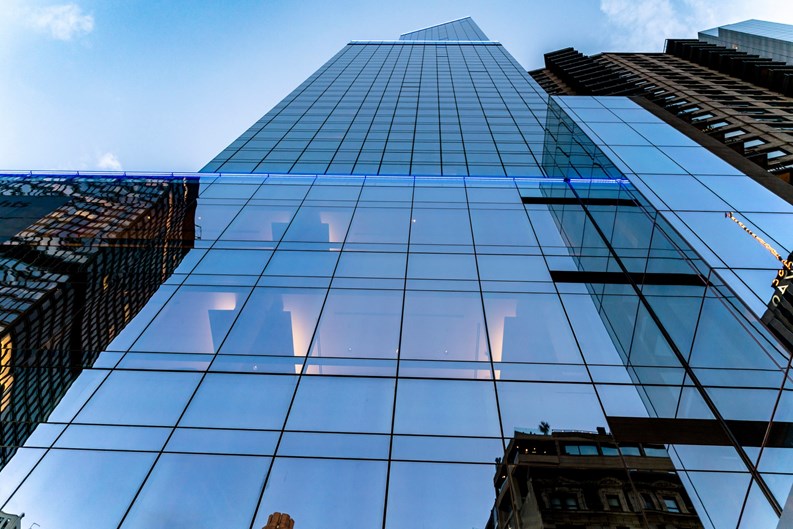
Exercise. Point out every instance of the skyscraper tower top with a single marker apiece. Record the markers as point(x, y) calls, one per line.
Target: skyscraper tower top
point(460, 29)
point(441, 101)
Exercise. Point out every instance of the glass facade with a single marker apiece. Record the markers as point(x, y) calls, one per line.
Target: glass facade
point(462, 29)
point(586, 342)
point(759, 37)
point(454, 105)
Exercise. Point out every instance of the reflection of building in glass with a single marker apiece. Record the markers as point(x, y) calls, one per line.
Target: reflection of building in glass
point(80, 259)
point(583, 480)
point(10, 521)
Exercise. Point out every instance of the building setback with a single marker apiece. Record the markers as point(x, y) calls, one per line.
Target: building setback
point(415, 266)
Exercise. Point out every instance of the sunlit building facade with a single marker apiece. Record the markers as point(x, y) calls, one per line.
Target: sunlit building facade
point(415, 260)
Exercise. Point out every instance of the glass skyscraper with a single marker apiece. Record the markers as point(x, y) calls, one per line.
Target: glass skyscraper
point(422, 293)
point(457, 104)
point(760, 37)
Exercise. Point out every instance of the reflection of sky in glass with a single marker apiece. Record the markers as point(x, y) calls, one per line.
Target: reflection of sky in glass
point(229, 401)
point(198, 491)
point(325, 492)
point(158, 398)
point(429, 495)
point(83, 486)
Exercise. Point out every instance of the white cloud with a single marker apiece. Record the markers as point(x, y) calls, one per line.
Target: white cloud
point(643, 25)
point(108, 162)
point(61, 22)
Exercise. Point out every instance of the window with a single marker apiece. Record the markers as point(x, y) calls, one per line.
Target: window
point(630, 450)
point(609, 450)
point(702, 117)
point(717, 125)
point(580, 450)
point(671, 504)
point(613, 502)
point(733, 133)
point(564, 501)
point(655, 451)
point(571, 503)
point(647, 501)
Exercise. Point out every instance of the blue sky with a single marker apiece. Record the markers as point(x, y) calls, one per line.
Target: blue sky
point(164, 86)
